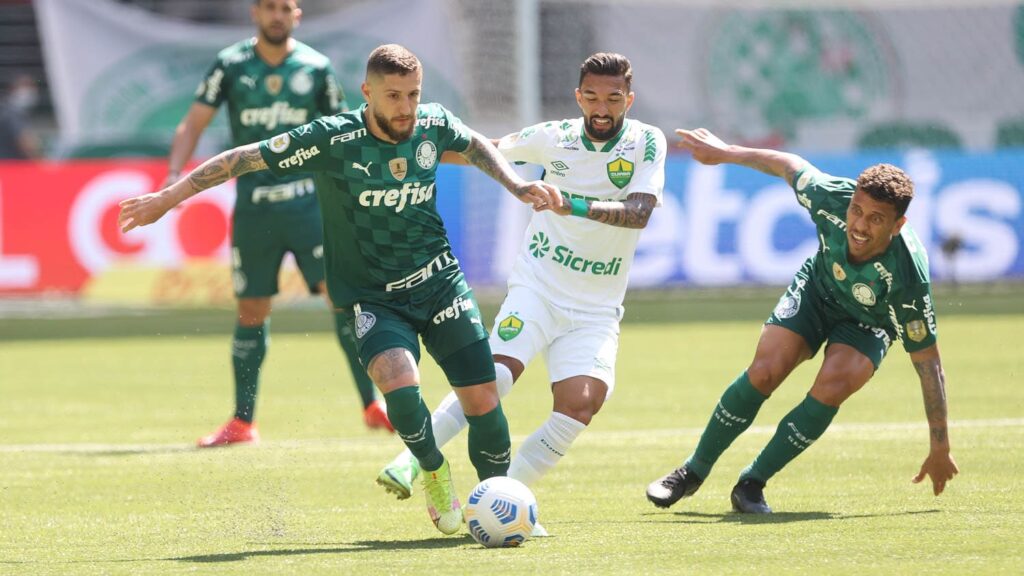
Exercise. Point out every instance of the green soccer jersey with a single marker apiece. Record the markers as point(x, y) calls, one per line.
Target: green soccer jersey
point(891, 291)
point(382, 233)
point(264, 100)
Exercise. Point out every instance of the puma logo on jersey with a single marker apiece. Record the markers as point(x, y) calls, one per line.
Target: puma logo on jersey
point(248, 81)
point(365, 169)
point(911, 306)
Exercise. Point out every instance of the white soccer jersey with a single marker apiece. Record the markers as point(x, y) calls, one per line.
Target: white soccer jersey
point(580, 263)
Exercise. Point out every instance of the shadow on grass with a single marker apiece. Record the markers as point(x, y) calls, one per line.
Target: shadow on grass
point(777, 517)
point(338, 548)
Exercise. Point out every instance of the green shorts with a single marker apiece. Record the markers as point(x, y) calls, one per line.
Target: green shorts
point(817, 318)
point(444, 313)
point(259, 242)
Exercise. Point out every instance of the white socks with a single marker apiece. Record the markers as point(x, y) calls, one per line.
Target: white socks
point(544, 448)
point(538, 453)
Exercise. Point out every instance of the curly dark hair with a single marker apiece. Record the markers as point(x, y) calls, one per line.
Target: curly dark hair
point(607, 64)
point(392, 59)
point(887, 183)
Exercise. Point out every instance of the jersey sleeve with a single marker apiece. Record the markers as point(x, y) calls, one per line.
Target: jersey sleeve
point(649, 177)
point(915, 310)
point(916, 315)
point(527, 145)
point(300, 150)
point(213, 88)
point(332, 98)
point(454, 135)
point(816, 190)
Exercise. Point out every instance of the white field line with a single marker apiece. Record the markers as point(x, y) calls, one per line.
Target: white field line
point(367, 443)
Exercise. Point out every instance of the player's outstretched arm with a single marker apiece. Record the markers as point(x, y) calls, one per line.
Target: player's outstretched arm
point(148, 208)
point(482, 154)
point(707, 148)
point(939, 465)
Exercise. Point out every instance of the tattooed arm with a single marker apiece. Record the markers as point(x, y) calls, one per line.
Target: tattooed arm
point(633, 212)
point(939, 465)
point(148, 208)
point(482, 154)
point(707, 148)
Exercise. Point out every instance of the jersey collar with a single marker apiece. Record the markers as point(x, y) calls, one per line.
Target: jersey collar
point(605, 146)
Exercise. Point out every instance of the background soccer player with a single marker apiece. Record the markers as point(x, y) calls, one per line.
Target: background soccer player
point(867, 285)
point(567, 285)
point(270, 83)
point(387, 255)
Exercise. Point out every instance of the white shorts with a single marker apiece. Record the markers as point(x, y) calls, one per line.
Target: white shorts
point(574, 342)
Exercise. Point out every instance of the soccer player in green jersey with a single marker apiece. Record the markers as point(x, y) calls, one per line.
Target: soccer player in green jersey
point(867, 285)
point(270, 83)
point(388, 261)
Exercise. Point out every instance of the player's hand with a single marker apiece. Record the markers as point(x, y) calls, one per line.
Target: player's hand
point(705, 147)
point(541, 195)
point(941, 467)
point(142, 210)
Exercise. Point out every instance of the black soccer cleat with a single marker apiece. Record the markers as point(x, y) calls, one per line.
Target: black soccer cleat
point(674, 486)
point(748, 497)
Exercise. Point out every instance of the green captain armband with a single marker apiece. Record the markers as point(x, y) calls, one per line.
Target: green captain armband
point(579, 207)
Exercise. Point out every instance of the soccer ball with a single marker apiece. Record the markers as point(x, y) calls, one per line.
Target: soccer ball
point(501, 512)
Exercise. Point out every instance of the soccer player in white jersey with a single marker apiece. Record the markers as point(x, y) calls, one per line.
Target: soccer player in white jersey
point(567, 285)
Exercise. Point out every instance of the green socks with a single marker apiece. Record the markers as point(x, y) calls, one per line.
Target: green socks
point(796, 432)
point(489, 445)
point(734, 413)
point(247, 352)
point(348, 345)
point(411, 419)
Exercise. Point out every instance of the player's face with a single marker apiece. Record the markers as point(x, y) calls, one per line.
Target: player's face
point(275, 20)
point(391, 100)
point(604, 101)
point(870, 226)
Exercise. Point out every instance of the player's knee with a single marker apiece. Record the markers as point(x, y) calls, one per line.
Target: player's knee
point(253, 311)
point(766, 374)
point(478, 399)
point(582, 414)
point(834, 389)
point(581, 409)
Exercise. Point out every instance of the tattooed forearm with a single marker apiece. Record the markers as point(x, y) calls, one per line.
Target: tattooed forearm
point(225, 166)
point(934, 391)
point(631, 213)
point(487, 158)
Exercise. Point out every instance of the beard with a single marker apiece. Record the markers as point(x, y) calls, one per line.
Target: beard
point(607, 134)
point(384, 123)
point(275, 37)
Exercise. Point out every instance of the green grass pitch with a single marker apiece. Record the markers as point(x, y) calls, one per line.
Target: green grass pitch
point(97, 473)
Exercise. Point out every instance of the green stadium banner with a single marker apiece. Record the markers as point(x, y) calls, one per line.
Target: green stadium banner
point(123, 77)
